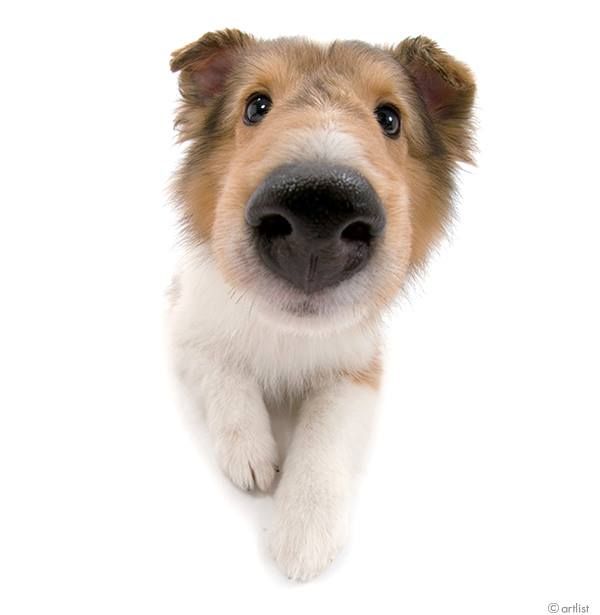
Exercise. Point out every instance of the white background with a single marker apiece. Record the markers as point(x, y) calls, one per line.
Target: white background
point(481, 491)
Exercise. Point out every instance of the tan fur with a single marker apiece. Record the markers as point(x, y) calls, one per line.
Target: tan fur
point(371, 376)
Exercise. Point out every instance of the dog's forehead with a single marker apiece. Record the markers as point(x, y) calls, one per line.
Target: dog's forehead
point(284, 63)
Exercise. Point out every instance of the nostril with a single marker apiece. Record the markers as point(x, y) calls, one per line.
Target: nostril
point(357, 231)
point(274, 226)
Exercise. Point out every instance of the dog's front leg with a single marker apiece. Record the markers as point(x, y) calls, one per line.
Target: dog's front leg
point(312, 500)
point(239, 425)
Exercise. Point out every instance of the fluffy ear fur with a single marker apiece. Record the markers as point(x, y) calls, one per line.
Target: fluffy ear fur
point(447, 88)
point(206, 64)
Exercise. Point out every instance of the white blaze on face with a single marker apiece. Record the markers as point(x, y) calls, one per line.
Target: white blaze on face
point(324, 144)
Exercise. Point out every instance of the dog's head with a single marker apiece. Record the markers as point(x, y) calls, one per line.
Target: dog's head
point(319, 176)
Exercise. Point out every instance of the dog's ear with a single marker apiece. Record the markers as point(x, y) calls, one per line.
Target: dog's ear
point(447, 88)
point(206, 63)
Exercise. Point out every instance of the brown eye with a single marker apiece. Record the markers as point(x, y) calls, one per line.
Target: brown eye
point(257, 107)
point(389, 120)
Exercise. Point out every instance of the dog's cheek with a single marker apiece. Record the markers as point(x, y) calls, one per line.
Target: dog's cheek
point(431, 209)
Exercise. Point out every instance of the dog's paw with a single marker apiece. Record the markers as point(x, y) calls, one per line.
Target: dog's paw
point(250, 460)
point(306, 538)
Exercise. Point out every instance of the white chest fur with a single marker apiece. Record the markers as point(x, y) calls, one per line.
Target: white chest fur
point(212, 326)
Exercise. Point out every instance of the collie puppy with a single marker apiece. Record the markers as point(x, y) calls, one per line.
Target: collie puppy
point(316, 179)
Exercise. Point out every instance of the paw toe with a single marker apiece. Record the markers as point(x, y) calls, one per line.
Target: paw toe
point(249, 462)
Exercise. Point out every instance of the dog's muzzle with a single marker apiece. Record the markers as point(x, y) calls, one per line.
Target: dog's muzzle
point(315, 225)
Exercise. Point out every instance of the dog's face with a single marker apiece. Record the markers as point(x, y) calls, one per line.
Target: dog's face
point(319, 176)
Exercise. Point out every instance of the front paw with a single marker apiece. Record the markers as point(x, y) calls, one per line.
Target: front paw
point(249, 460)
point(307, 535)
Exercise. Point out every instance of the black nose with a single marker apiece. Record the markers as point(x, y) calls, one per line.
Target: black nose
point(315, 225)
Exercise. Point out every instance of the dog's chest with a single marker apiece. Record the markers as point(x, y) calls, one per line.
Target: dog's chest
point(295, 361)
point(211, 326)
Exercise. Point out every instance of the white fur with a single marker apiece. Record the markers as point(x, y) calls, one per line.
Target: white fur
point(328, 143)
point(212, 324)
point(312, 500)
point(235, 360)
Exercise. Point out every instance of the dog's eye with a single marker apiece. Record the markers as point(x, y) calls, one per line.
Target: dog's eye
point(389, 119)
point(257, 107)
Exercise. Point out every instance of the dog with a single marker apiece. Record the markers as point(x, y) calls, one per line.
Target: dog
point(316, 180)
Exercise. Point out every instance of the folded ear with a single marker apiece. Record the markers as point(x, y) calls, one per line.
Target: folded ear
point(206, 63)
point(447, 88)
